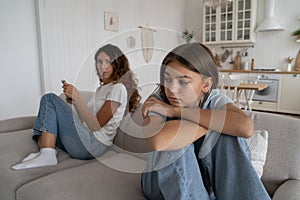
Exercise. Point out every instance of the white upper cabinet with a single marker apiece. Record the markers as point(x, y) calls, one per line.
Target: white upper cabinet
point(232, 23)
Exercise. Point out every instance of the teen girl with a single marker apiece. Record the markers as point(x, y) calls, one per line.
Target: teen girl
point(197, 135)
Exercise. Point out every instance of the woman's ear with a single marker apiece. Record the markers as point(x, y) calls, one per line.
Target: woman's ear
point(208, 82)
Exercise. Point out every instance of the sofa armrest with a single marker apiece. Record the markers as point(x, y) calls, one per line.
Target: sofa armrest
point(289, 190)
point(16, 124)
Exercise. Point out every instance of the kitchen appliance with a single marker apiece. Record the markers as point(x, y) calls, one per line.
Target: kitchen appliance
point(269, 23)
point(270, 93)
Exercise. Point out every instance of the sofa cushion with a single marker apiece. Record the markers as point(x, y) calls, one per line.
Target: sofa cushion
point(14, 146)
point(258, 145)
point(91, 181)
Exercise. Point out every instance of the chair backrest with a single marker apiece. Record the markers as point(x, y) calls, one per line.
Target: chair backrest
point(228, 87)
point(246, 78)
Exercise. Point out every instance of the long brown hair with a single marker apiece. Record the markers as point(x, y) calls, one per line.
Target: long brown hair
point(195, 57)
point(122, 73)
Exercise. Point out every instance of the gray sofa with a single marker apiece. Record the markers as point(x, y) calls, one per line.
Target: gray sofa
point(116, 175)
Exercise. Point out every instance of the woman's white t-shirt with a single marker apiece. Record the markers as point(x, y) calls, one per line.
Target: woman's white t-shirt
point(109, 92)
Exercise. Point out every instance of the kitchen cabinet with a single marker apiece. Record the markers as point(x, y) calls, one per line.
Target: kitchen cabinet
point(264, 106)
point(232, 23)
point(289, 94)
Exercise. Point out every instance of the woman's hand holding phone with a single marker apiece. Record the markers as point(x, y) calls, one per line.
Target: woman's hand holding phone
point(65, 90)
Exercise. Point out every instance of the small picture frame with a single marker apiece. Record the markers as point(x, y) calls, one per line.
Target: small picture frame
point(131, 42)
point(111, 21)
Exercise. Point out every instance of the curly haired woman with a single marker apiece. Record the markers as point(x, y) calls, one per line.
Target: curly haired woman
point(86, 131)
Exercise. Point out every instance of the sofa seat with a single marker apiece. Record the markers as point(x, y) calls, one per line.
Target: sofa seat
point(71, 178)
point(14, 146)
point(91, 181)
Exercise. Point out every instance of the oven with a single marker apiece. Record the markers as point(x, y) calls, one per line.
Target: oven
point(270, 93)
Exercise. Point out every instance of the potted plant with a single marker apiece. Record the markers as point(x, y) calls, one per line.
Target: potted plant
point(297, 62)
point(297, 33)
point(187, 36)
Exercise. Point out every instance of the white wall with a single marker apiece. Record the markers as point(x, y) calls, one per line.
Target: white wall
point(19, 67)
point(20, 83)
point(271, 48)
point(71, 31)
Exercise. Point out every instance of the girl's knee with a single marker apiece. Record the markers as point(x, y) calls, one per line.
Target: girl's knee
point(235, 145)
point(49, 96)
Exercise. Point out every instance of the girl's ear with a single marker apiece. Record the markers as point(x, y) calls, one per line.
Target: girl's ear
point(208, 82)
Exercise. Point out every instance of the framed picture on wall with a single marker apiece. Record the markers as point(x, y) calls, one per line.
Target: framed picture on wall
point(111, 21)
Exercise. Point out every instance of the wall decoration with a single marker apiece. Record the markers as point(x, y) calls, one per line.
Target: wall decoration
point(147, 42)
point(187, 35)
point(111, 21)
point(131, 42)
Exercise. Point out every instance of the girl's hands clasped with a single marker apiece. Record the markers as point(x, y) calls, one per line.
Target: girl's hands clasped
point(155, 105)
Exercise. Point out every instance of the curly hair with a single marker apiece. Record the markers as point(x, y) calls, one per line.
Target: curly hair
point(122, 74)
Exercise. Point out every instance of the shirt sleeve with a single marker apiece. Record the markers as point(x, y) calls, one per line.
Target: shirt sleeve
point(118, 94)
point(216, 100)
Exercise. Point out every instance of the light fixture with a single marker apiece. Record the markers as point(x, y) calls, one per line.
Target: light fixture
point(216, 3)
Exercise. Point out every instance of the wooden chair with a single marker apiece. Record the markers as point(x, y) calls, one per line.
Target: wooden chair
point(229, 87)
point(244, 97)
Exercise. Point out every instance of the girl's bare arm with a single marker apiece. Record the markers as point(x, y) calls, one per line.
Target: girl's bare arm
point(228, 120)
point(172, 134)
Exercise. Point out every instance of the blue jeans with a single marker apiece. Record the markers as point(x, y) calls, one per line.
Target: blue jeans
point(57, 118)
point(225, 173)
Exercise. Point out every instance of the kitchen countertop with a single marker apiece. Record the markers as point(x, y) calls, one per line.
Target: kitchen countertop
point(259, 72)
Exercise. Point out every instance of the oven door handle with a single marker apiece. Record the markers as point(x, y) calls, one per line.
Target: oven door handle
point(267, 80)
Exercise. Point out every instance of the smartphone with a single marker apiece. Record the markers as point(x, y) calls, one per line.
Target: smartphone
point(67, 98)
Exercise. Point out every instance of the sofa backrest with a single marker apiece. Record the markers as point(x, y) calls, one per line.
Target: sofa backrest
point(130, 135)
point(283, 155)
point(16, 124)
